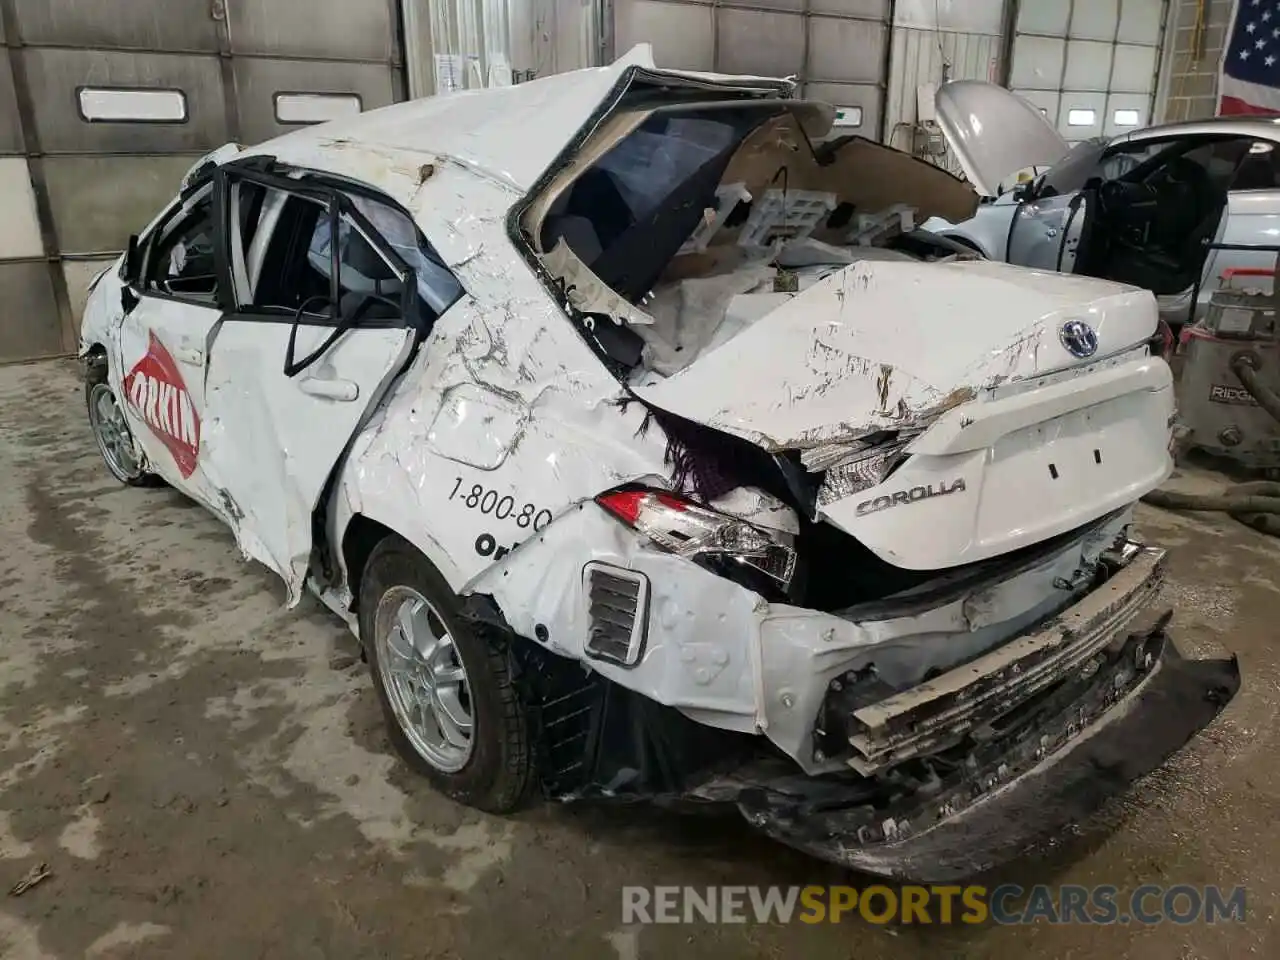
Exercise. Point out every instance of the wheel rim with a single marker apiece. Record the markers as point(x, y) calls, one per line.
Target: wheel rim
point(425, 681)
point(115, 441)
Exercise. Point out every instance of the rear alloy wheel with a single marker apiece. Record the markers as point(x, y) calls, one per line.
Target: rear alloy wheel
point(424, 678)
point(115, 439)
point(445, 684)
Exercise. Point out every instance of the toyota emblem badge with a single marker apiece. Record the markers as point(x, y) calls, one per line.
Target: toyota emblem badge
point(1079, 338)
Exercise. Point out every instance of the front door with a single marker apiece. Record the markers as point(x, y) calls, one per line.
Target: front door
point(163, 342)
point(1046, 233)
point(326, 317)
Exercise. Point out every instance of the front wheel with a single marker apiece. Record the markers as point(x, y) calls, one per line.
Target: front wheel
point(446, 688)
point(111, 431)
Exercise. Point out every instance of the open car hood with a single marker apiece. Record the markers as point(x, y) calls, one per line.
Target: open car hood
point(994, 133)
point(888, 345)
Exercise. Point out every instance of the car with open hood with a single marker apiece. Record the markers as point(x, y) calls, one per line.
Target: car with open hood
point(1167, 208)
point(652, 452)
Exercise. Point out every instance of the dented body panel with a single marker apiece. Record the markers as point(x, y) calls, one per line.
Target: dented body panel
point(518, 441)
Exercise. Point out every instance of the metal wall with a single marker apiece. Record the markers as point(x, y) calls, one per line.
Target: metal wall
point(104, 105)
point(1091, 65)
point(935, 41)
point(465, 44)
point(837, 48)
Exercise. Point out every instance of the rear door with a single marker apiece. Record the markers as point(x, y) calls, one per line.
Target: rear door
point(327, 313)
point(163, 340)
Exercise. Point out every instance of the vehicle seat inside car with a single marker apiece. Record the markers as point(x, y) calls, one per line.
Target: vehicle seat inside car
point(365, 276)
point(1167, 255)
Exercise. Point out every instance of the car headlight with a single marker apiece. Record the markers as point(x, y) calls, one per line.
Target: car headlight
point(760, 559)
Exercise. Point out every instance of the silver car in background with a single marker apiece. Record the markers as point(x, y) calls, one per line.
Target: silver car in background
point(1168, 208)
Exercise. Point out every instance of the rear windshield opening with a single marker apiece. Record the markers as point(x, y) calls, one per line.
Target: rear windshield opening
point(683, 225)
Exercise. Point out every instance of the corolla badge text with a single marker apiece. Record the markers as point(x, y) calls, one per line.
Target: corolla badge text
point(914, 495)
point(1080, 339)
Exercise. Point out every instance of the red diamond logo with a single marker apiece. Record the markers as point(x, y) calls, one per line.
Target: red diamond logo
point(158, 394)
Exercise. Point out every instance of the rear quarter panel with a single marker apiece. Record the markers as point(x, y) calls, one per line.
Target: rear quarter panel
point(505, 420)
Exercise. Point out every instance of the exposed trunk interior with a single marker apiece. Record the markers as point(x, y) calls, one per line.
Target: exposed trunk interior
point(676, 228)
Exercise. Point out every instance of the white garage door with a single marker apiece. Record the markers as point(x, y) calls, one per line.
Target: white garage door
point(837, 48)
point(1089, 64)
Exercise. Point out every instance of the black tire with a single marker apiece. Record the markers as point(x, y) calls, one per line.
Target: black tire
point(96, 376)
point(498, 775)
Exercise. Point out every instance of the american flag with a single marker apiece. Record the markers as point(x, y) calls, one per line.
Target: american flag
point(1250, 79)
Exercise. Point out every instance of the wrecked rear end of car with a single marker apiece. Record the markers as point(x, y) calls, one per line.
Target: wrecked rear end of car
point(887, 600)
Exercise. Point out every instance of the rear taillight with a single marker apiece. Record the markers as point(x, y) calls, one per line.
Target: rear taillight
point(724, 544)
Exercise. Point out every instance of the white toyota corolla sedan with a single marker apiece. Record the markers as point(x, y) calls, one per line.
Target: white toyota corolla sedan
point(651, 452)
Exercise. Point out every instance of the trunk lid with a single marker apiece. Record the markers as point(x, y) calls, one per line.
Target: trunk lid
point(882, 345)
point(994, 133)
point(959, 380)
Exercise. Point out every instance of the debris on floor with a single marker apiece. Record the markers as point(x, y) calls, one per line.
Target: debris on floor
point(37, 874)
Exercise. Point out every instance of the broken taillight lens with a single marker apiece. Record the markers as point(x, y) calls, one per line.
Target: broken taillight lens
point(721, 543)
point(863, 465)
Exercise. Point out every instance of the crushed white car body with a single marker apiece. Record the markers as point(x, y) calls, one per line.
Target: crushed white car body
point(652, 452)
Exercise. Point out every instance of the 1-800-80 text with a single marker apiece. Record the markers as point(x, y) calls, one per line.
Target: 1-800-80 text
point(503, 506)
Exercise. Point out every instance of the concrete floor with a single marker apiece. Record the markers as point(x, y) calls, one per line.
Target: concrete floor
point(205, 773)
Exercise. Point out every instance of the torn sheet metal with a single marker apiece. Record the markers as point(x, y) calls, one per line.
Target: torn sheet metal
point(813, 370)
point(504, 421)
point(1027, 792)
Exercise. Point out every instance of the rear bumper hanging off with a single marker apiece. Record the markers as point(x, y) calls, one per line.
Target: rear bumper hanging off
point(1079, 745)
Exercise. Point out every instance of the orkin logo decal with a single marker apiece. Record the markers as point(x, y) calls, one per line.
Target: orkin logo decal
point(158, 393)
point(914, 495)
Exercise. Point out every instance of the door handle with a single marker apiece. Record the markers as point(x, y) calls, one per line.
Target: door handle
point(190, 355)
point(342, 390)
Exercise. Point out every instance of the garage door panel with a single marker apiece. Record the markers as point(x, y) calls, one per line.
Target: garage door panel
point(1134, 70)
point(1127, 111)
point(258, 82)
point(77, 274)
point(98, 201)
point(10, 129)
point(1048, 17)
point(866, 9)
point(846, 50)
point(1037, 63)
point(55, 76)
point(145, 24)
point(682, 34)
point(20, 235)
point(1046, 100)
point(852, 98)
point(1081, 114)
point(951, 16)
point(793, 6)
point(29, 324)
point(1088, 65)
point(311, 28)
point(1140, 21)
point(1094, 20)
point(740, 49)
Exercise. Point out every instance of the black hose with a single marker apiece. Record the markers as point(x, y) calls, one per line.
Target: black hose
point(1255, 504)
point(1245, 367)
